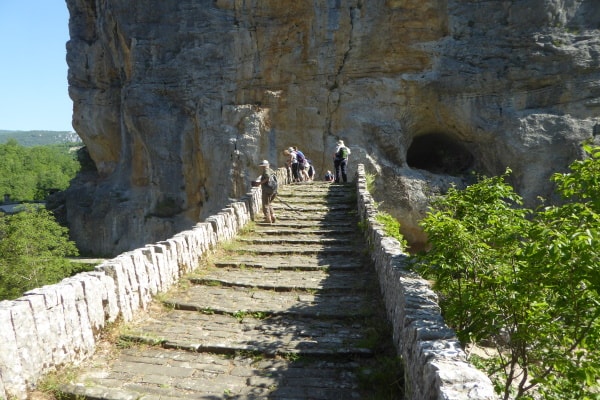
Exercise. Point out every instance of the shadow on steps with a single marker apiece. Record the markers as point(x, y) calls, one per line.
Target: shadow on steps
point(289, 310)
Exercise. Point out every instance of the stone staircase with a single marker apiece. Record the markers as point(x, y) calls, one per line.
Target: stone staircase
point(289, 310)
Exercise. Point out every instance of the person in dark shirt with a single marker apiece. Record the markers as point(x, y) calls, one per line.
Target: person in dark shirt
point(340, 162)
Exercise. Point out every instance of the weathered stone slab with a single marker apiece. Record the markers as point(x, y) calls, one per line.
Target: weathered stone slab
point(277, 335)
point(294, 261)
point(285, 280)
point(214, 376)
point(299, 249)
point(225, 300)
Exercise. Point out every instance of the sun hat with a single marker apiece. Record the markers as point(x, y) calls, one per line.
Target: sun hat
point(340, 142)
point(291, 149)
point(264, 163)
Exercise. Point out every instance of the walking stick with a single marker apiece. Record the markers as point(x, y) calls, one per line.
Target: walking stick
point(288, 206)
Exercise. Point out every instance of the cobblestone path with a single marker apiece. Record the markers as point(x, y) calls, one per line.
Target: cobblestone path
point(289, 310)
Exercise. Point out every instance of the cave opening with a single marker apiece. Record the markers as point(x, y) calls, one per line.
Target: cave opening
point(439, 153)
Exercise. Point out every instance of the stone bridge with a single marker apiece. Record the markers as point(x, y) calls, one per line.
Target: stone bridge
point(235, 308)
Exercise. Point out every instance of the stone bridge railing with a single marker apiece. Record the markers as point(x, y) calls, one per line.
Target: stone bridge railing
point(434, 363)
point(60, 324)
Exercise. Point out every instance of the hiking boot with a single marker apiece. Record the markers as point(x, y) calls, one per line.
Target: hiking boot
point(273, 219)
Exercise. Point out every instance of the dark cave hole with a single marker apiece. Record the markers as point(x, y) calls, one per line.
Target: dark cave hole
point(440, 154)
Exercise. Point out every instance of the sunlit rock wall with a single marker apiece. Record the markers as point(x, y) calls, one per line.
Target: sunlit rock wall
point(179, 100)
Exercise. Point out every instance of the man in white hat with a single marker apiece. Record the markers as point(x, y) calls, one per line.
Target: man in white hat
point(268, 183)
point(340, 161)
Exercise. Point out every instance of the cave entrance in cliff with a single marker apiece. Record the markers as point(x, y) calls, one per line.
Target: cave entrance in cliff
point(439, 153)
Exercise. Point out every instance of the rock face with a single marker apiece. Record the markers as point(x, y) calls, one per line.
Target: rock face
point(179, 100)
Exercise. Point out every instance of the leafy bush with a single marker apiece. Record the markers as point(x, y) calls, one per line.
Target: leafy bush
point(33, 251)
point(33, 246)
point(527, 282)
point(370, 178)
point(391, 227)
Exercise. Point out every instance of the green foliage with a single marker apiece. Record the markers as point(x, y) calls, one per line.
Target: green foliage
point(33, 251)
point(370, 178)
point(31, 173)
point(384, 380)
point(391, 227)
point(50, 384)
point(526, 281)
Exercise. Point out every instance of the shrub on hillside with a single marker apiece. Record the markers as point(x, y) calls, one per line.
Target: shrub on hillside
point(526, 282)
point(33, 251)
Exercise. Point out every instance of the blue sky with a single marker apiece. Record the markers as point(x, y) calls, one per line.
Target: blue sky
point(33, 69)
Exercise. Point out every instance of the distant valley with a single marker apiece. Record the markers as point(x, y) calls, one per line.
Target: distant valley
point(39, 138)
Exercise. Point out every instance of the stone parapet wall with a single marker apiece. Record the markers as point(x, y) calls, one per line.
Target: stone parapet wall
point(60, 324)
point(434, 363)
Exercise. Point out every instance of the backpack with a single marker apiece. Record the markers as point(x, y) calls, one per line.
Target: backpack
point(272, 184)
point(342, 152)
point(300, 157)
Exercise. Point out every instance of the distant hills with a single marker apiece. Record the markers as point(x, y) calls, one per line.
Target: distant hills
point(39, 138)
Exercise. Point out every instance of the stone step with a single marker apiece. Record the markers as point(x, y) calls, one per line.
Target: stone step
point(321, 186)
point(317, 198)
point(286, 218)
point(314, 201)
point(295, 262)
point(323, 218)
point(171, 374)
point(298, 249)
point(312, 212)
point(227, 300)
point(282, 280)
point(316, 209)
point(273, 335)
point(304, 227)
point(314, 190)
point(277, 229)
point(293, 240)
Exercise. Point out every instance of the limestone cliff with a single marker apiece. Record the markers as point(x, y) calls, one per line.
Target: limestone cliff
point(179, 100)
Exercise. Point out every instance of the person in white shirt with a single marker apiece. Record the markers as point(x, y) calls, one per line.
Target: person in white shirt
point(292, 162)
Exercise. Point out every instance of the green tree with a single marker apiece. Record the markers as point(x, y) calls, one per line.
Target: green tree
point(30, 173)
point(564, 249)
point(13, 179)
point(525, 281)
point(33, 251)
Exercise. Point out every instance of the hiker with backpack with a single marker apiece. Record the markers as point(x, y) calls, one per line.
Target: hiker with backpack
point(268, 183)
point(340, 161)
